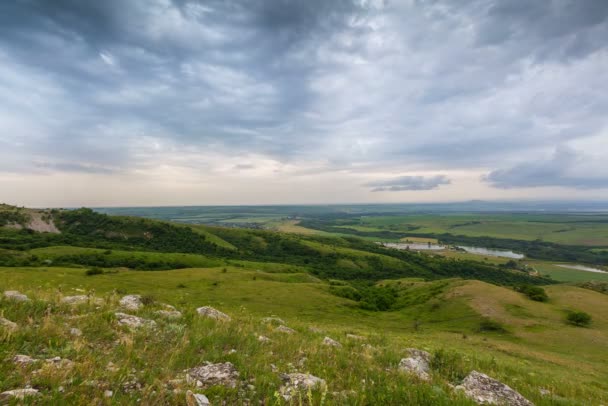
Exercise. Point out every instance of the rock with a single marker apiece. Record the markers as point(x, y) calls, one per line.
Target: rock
point(544, 392)
point(355, 337)
point(133, 321)
point(273, 320)
point(18, 394)
point(331, 342)
point(75, 332)
point(297, 382)
point(75, 300)
point(8, 325)
point(16, 296)
point(214, 374)
point(108, 394)
point(212, 313)
point(169, 314)
point(196, 399)
point(59, 363)
point(284, 329)
point(264, 339)
point(131, 302)
point(485, 390)
point(23, 360)
point(418, 363)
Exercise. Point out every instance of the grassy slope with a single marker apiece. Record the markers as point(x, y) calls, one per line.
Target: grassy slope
point(539, 351)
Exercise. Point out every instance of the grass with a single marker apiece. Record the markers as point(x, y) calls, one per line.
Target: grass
point(538, 350)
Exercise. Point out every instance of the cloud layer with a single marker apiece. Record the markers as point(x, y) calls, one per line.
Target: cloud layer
point(275, 92)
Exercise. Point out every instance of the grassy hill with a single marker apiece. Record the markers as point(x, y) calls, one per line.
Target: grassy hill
point(464, 312)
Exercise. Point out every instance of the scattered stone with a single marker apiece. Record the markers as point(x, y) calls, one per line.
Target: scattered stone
point(355, 337)
point(331, 342)
point(59, 363)
point(297, 382)
point(213, 374)
point(212, 313)
point(111, 367)
point(7, 324)
point(264, 339)
point(485, 390)
point(315, 330)
point(23, 360)
point(273, 320)
point(169, 314)
point(108, 393)
point(75, 300)
point(284, 329)
point(75, 332)
point(16, 296)
point(133, 321)
point(273, 368)
point(131, 302)
point(544, 392)
point(418, 363)
point(18, 394)
point(196, 399)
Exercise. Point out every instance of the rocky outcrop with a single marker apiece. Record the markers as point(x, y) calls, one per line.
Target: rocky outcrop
point(133, 321)
point(299, 383)
point(131, 302)
point(485, 390)
point(331, 342)
point(212, 313)
point(8, 325)
point(418, 363)
point(196, 399)
point(16, 296)
point(203, 376)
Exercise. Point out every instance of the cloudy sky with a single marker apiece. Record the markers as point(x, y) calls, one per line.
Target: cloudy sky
point(175, 102)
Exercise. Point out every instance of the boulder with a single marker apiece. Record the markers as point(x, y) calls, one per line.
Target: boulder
point(285, 329)
point(7, 324)
point(213, 374)
point(299, 383)
point(18, 394)
point(418, 363)
point(133, 321)
point(169, 314)
point(331, 342)
point(485, 390)
point(131, 302)
point(16, 296)
point(196, 399)
point(212, 313)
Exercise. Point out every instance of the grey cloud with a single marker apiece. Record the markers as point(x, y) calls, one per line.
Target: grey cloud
point(409, 183)
point(566, 168)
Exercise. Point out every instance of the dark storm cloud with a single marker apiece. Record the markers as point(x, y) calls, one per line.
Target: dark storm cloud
point(409, 183)
point(344, 84)
point(555, 171)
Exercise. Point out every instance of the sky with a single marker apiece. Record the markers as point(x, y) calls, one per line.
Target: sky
point(178, 102)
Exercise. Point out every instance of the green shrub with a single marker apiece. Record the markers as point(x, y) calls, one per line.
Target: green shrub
point(94, 271)
point(577, 318)
point(533, 292)
point(450, 365)
point(489, 325)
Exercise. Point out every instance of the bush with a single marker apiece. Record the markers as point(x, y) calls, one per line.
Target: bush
point(94, 271)
point(533, 292)
point(580, 319)
point(488, 325)
point(450, 365)
point(147, 299)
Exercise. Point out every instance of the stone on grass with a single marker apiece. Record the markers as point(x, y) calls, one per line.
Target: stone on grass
point(196, 399)
point(264, 339)
point(331, 342)
point(284, 329)
point(7, 324)
point(207, 375)
point(169, 314)
point(133, 321)
point(23, 360)
point(418, 363)
point(273, 320)
point(75, 300)
point(485, 390)
point(59, 363)
point(18, 394)
point(75, 332)
point(355, 337)
point(131, 302)
point(16, 296)
point(299, 383)
point(212, 313)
